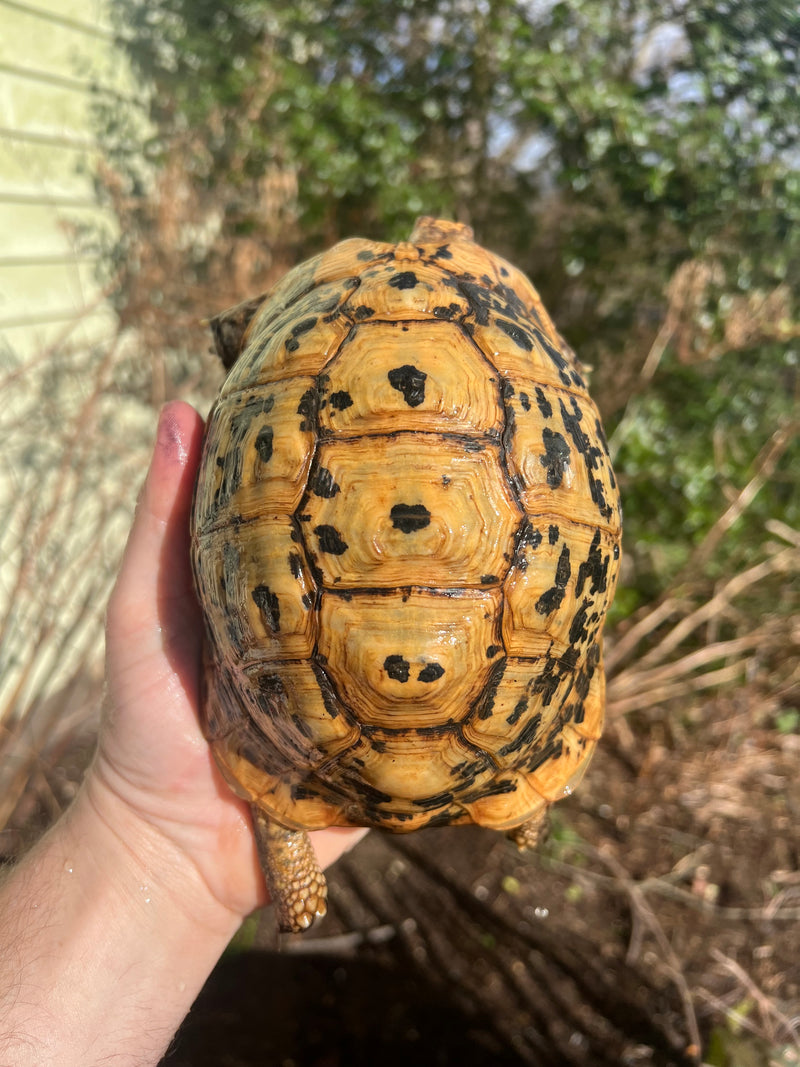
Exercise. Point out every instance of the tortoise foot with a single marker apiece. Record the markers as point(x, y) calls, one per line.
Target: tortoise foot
point(294, 879)
point(531, 833)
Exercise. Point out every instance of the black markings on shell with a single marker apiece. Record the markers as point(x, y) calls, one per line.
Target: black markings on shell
point(592, 455)
point(271, 687)
point(546, 684)
point(552, 535)
point(555, 458)
point(551, 598)
point(436, 801)
point(431, 672)
point(404, 279)
point(322, 484)
point(550, 750)
point(308, 409)
point(485, 703)
point(264, 443)
point(479, 299)
point(499, 787)
point(579, 628)
point(520, 337)
point(526, 537)
point(410, 517)
point(340, 400)
point(330, 540)
point(561, 364)
point(543, 403)
point(291, 342)
point(594, 569)
point(520, 708)
point(295, 564)
point(267, 603)
point(233, 461)
point(525, 738)
point(410, 381)
point(371, 796)
point(397, 668)
point(469, 444)
point(230, 585)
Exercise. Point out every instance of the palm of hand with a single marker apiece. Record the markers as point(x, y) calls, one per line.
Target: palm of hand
point(152, 754)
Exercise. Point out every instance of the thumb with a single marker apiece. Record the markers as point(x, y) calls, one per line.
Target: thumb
point(153, 625)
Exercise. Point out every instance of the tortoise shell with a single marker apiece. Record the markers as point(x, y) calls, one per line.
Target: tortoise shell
point(405, 539)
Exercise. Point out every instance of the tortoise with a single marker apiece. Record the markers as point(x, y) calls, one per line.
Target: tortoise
point(405, 538)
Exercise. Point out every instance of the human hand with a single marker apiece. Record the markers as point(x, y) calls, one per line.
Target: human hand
point(112, 923)
point(154, 780)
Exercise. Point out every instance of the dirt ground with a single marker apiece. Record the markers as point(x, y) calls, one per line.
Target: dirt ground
point(658, 925)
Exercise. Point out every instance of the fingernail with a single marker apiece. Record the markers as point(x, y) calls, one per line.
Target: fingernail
point(169, 439)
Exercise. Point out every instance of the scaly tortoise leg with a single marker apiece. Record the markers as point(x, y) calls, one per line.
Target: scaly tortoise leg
point(531, 833)
point(294, 879)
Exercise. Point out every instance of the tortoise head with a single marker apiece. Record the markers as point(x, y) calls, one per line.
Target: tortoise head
point(229, 329)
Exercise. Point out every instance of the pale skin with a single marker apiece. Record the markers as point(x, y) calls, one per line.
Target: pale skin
point(111, 924)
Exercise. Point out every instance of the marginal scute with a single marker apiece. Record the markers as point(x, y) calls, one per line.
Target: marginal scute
point(405, 539)
point(421, 771)
point(510, 799)
point(556, 778)
point(432, 231)
point(347, 258)
point(298, 801)
point(324, 725)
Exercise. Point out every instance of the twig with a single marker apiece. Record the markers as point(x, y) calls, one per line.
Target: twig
point(665, 888)
point(339, 944)
point(645, 916)
point(639, 679)
point(688, 686)
point(766, 1006)
point(788, 559)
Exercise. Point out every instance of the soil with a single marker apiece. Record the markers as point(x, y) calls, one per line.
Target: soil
point(658, 925)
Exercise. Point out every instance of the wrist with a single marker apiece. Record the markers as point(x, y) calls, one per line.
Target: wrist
point(110, 935)
point(146, 869)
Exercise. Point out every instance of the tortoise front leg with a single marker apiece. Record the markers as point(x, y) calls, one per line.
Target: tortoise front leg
point(294, 879)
